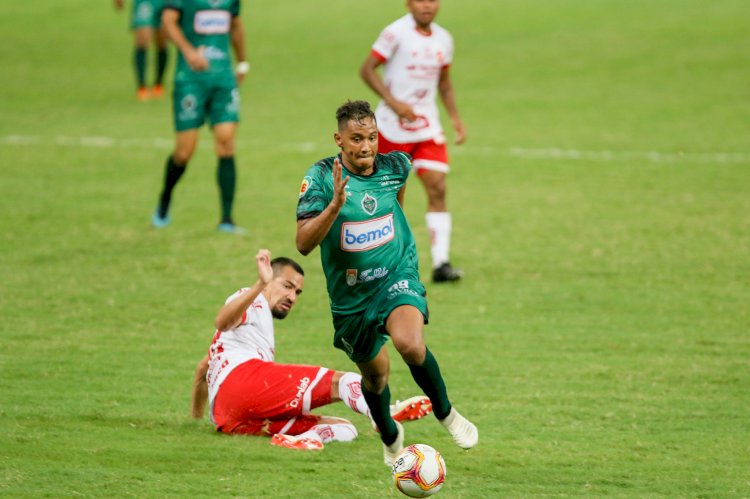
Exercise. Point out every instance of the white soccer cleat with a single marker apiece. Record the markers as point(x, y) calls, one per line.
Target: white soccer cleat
point(390, 452)
point(411, 409)
point(464, 433)
point(296, 442)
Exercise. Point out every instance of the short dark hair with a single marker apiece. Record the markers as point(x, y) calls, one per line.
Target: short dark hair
point(280, 262)
point(356, 110)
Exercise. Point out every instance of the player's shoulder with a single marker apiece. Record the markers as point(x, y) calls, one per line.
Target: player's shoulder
point(321, 167)
point(440, 32)
point(401, 25)
point(396, 162)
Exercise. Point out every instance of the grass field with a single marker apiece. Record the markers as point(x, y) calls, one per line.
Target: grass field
point(601, 212)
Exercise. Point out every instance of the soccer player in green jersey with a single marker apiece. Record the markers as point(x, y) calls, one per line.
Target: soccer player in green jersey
point(146, 25)
point(351, 206)
point(205, 88)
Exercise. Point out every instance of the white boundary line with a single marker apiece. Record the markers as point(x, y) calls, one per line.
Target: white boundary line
point(517, 152)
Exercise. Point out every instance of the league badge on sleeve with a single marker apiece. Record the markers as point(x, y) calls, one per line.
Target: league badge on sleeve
point(306, 183)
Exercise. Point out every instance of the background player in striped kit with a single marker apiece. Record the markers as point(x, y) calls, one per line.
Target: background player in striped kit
point(249, 393)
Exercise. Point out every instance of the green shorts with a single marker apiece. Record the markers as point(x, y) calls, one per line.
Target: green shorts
point(363, 334)
point(196, 101)
point(146, 14)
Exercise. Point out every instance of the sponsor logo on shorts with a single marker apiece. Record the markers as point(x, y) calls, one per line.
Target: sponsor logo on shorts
point(306, 183)
point(301, 388)
point(366, 235)
point(401, 288)
point(233, 106)
point(188, 107)
point(144, 12)
point(211, 22)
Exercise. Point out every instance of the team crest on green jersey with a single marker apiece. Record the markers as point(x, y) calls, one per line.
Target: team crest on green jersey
point(369, 204)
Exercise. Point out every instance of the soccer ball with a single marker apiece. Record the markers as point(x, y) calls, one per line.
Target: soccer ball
point(419, 471)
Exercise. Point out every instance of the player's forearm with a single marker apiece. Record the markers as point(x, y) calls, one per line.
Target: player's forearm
point(445, 89)
point(312, 231)
point(231, 313)
point(169, 20)
point(237, 37)
point(199, 395)
point(372, 79)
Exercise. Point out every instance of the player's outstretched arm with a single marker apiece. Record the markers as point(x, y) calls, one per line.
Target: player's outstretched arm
point(230, 315)
point(200, 389)
point(119, 4)
point(311, 231)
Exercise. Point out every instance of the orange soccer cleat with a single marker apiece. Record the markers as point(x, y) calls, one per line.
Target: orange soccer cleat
point(299, 443)
point(157, 92)
point(142, 94)
point(411, 409)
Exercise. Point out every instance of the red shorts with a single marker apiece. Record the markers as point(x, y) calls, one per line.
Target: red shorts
point(264, 398)
point(427, 155)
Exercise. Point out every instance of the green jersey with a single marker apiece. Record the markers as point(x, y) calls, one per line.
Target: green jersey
point(206, 23)
point(370, 245)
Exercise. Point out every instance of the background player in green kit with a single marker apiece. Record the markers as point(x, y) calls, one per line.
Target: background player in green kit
point(370, 261)
point(205, 88)
point(145, 22)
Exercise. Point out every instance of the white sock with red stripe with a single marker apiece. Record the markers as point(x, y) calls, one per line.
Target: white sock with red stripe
point(439, 225)
point(350, 391)
point(325, 433)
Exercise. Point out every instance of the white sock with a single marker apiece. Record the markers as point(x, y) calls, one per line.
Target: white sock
point(439, 225)
point(325, 433)
point(350, 391)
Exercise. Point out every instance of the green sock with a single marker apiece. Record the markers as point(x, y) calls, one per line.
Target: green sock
point(431, 382)
point(161, 65)
point(380, 410)
point(226, 176)
point(139, 59)
point(172, 174)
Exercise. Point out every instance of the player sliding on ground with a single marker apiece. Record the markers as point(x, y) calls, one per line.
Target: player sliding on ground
point(249, 393)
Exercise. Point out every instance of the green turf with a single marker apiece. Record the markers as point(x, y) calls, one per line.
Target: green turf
point(600, 338)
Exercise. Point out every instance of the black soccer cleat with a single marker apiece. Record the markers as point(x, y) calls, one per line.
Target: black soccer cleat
point(446, 273)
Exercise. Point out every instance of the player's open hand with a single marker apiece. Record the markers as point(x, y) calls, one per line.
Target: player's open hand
point(196, 59)
point(339, 185)
point(119, 4)
point(263, 261)
point(460, 132)
point(404, 111)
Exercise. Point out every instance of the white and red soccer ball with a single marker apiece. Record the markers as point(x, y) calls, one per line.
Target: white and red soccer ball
point(419, 471)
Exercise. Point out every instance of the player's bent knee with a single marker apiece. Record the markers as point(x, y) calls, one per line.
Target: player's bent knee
point(375, 383)
point(413, 354)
